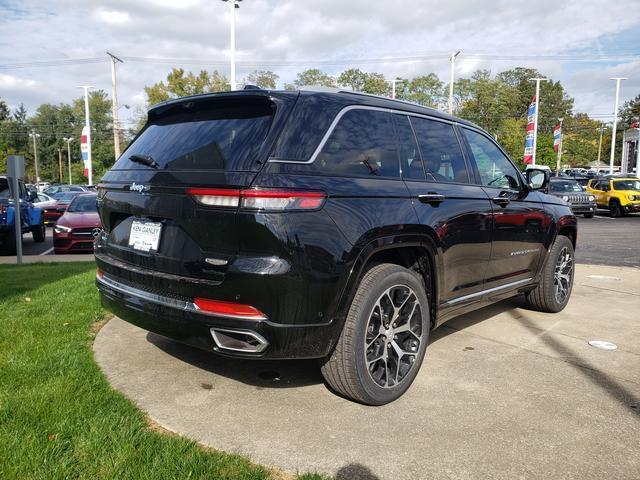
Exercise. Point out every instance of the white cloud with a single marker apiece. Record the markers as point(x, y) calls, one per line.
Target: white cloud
point(112, 17)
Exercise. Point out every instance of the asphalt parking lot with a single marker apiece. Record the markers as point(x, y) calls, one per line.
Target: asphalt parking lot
point(504, 393)
point(602, 240)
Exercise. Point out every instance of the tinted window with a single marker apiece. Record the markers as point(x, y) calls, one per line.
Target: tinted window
point(64, 196)
point(5, 191)
point(361, 144)
point(564, 186)
point(224, 138)
point(626, 185)
point(410, 161)
point(494, 167)
point(441, 152)
point(83, 203)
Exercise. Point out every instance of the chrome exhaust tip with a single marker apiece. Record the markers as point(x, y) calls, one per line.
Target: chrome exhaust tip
point(238, 340)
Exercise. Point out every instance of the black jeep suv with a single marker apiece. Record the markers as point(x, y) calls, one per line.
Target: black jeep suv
point(329, 225)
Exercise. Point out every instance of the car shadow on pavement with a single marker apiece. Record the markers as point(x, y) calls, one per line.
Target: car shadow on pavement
point(618, 392)
point(258, 373)
point(355, 471)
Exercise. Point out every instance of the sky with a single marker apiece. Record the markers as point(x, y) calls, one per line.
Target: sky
point(581, 43)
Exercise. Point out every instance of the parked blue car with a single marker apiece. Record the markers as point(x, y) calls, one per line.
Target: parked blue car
point(31, 218)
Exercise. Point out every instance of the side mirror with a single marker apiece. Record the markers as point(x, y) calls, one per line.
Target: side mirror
point(33, 196)
point(538, 179)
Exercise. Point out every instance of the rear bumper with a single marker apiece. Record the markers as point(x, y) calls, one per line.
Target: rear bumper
point(176, 318)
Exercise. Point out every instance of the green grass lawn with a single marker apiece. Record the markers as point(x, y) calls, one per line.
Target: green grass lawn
point(59, 418)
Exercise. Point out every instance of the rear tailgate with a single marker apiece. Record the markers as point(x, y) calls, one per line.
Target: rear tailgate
point(210, 141)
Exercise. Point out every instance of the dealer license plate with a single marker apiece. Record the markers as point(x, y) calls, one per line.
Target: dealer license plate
point(145, 236)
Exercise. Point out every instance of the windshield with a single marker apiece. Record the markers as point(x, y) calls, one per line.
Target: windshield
point(65, 196)
point(626, 185)
point(565, 186)
point(227, 137)
point(83, 203)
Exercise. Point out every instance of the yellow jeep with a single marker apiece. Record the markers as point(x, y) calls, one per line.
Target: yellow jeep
point(619, 195)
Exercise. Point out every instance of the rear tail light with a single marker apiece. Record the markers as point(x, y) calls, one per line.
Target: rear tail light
point(256, 199)
point(229, 309)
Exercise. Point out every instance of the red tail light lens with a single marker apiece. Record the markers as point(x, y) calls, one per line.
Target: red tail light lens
point(256, 199)
point(229, 309)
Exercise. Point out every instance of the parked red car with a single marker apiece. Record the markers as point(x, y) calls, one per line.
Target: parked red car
point(54, 211)
point(76, 230)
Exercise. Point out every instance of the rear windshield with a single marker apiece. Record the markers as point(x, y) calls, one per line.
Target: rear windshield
point(224, 137)
point(83, 203)
point(65, 196)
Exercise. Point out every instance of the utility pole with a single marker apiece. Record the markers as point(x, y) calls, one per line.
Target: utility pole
point(88, 127)
point(600, 142)
point(35, 135)
point(60, 164)
point(452, 59)
point(615, 123)
point(114, 106)
point(233, 4)
point(559, 149)
point(535, 117)
point(69, 140)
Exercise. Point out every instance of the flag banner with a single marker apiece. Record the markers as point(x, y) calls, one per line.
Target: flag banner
point(556, 137)
point(84, 149)
point(528, 142)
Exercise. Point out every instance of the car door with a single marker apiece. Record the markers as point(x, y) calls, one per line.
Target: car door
point(520, 223)
point(595, 189)
point(447, 204)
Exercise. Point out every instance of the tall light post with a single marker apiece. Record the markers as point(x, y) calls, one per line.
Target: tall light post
point(69, 140)
point(393, 85)
point(615, 122)
point(535, 117)
point(233, 4)
point(35, 135)
point(559, 148)
point(114, 106)
point(88, 132)
point(600, 143)
point(452, 59)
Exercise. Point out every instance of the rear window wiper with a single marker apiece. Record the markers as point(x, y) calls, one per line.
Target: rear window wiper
point(144, 160)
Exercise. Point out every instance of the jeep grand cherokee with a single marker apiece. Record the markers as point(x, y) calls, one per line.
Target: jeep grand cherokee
point(338, 226)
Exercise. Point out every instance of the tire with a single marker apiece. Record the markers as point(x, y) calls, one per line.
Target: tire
point(364, 337)
point(39, 233)
point(9, 243)
point(615, 209)
point(589, 215)
point(545, 297)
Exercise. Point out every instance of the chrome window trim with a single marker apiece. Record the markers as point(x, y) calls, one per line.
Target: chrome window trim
point(348, 108)
point(490, 290)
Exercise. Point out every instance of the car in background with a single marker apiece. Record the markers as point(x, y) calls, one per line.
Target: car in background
point(620, 195)
point(76, 230)
point(53, 189)
point(53, 212)
point(582, 181)
point(43, 200)
point(31, 218)
point(42, 186)
point(570, 191)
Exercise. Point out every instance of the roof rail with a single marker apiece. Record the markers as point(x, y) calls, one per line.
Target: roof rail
point(365, 94)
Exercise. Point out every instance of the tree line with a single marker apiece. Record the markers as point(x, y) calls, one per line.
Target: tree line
point(498, 103)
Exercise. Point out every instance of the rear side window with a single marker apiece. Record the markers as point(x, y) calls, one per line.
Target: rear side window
point(227, 137)
point(441, 152)
point(361, 144)
point(5, 191)
point(410, 161)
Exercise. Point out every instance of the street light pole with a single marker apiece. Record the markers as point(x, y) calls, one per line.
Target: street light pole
point(114, 106)
point(69, 140)
point(35, 135)
point(600, 143)
point(233, 4)
point(559, 148)
point(452, 59)
point(615, 123)
point(88, 125)
point(393, 86)
point(535, 117)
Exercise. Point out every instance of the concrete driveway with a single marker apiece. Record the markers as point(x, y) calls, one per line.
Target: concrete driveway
point(504, 393)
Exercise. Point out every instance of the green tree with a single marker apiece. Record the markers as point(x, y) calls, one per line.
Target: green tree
point(263, 78)
point(629, 112)
point(314, 77)
point(181, 84)
point(5, 113)
point(354, 78)
point(426, 90)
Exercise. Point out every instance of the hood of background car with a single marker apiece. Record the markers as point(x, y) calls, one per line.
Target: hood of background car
point(80, 219)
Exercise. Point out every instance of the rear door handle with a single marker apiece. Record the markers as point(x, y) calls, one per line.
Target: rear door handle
point(431, 198)
point(502, 201)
